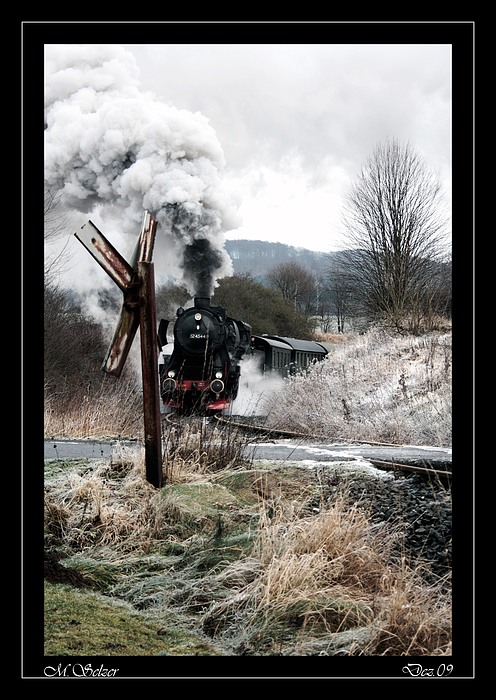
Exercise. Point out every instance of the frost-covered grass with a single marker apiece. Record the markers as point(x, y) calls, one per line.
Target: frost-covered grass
point(228, 563)
point(378, 386)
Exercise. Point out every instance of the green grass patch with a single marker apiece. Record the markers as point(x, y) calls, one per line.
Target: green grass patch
point(82, 623)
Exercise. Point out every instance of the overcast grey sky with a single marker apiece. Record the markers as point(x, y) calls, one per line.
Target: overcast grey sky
point(286, 127)
point(297, 121)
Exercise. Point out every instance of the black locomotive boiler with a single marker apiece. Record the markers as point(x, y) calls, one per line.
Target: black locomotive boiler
point(202, 371)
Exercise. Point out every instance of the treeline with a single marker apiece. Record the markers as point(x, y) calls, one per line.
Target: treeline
point(246, 299)
point(359, 292)
point(291, 301)
point(258, 258)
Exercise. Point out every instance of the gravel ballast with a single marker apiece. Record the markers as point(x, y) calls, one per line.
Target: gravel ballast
point(418, 507)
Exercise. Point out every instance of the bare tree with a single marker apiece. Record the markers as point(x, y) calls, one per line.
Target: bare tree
point(296, 284)
point(394, 233)
point(340, 293)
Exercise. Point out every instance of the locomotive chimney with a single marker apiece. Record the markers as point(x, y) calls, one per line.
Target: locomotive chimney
point(202, 302)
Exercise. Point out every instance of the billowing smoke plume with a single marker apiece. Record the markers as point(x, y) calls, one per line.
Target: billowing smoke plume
point(111, 146)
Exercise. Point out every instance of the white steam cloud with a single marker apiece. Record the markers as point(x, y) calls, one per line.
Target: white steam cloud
point(255, 389)
point(111, 147)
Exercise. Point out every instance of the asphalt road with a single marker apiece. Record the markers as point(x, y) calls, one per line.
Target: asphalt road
point(279, 450)
point(328, 453)
point(84, 449)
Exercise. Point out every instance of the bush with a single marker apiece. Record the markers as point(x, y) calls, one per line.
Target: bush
point(73, 345)
point(80, 400)
point(264, 309)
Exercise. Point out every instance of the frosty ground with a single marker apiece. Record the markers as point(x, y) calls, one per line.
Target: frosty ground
point(236, 557)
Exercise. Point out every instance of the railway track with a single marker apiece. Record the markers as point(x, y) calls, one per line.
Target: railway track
point(262, 432)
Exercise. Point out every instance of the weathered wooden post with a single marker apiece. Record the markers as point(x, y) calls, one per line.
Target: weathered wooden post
point(137, 283)
point(149, 368)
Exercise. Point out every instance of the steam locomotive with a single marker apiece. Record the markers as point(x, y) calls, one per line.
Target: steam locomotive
point(202, 371)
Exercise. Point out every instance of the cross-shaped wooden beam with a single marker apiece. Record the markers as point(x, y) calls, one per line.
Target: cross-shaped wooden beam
point(137, 282)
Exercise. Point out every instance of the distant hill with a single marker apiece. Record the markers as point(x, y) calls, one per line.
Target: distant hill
point(258, 257)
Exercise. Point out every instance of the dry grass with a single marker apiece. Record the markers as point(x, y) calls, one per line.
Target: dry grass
point(114, 408)
point(111, 503)
point(195, 448)
point(258, 576)
point(107, 504)
point(335, 338)
point(326, 583)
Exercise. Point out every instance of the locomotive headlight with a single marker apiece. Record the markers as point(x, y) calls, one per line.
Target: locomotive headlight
point(171, 373)
point(217, 386)
point(169, 385)
point(218, 375)
point(198, 317)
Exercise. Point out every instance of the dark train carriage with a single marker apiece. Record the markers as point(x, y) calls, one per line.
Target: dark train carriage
point(304, 352)
point(287, 355)
point(275, 356)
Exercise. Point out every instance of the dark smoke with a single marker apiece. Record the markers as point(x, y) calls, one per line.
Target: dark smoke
point(201, 260)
